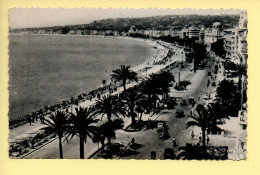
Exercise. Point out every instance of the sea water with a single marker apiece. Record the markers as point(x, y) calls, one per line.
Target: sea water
point(46, 69)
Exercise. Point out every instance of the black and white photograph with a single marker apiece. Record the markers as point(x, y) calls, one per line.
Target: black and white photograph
point(144, 84)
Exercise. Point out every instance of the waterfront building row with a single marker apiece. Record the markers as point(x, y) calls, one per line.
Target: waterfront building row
point(234, 39)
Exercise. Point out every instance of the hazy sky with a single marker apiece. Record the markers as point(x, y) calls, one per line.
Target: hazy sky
point(39, 17)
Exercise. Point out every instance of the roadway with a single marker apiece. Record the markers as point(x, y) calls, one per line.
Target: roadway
point(147, 140)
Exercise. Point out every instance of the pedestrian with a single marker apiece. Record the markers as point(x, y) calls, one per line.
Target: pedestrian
point(192, 135)
point(153, 155)
point(43, 119)
point(30, 121)
point(200, 138)
point(199, 98)
point(207, 140)
point(174, 141)
point(32, 143)
point(20, 150)
point(133, 140)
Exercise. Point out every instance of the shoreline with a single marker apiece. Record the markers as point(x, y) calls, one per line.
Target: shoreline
point(136, 68)
point(26, 132)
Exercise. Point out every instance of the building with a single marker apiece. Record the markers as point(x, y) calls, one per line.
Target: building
point(184, 33)
point(93, 32)
point(115, 33)
point(131, 30)
point(230, 44)
point(86, 32)
point(72, 32)
point(242, 36)
point(201, 36)
point(101, 32)
point(109, 32)
point(123, 34)
point(139, 31)
point(193, 32)
point(79, 32)
point(213, 34)
point(241, 143)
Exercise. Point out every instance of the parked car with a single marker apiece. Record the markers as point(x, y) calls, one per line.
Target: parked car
point(191, 100)
point(183, 103)
point(213, 83)
point(169, 102)
point(164, 135)
point(179, 113)
point(168, 153)
point(206, 97)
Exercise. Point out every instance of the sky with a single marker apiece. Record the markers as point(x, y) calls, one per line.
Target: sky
point(45, 17)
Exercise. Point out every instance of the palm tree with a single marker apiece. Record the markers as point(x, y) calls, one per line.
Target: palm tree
point(108, 105)
point(226, 90)
point(57, 124)
point(99, 136)
point(108, 128)
point(151, 87)
point(166, 79)
point(82, 125)
point(207, 119)
point(141, 107)
point(123, 74)
point(190, 152)
point(131, 98)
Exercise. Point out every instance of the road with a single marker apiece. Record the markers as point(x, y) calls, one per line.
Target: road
point(147, 140)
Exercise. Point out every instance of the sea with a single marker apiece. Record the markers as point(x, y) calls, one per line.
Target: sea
point(47, 69)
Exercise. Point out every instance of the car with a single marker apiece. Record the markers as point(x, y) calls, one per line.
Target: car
point(179, 113)
point(169, 102)
point(168, 153)
point(213, 83)
point(191, 100)
point(164, 135)
point(206, 97)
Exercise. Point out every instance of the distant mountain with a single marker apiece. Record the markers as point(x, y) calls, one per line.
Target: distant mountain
point(154, 22)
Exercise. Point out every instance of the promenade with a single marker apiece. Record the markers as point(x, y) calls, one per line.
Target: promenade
point(148, 139)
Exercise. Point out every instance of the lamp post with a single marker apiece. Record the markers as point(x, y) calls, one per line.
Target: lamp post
point(208, 92)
